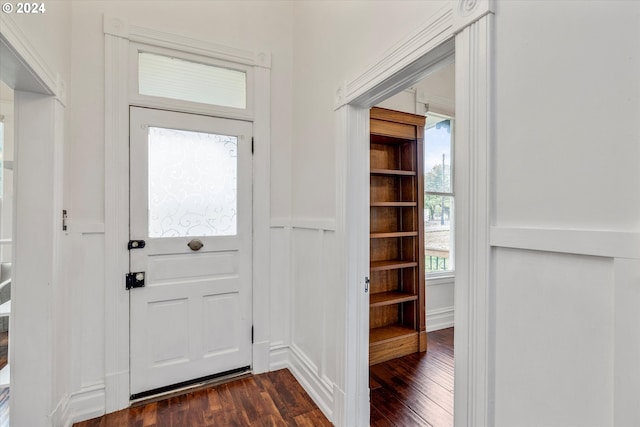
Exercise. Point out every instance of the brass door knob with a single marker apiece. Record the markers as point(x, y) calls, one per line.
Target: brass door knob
point(195, 245)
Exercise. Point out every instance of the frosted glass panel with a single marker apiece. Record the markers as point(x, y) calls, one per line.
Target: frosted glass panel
point(192, 183)
point(174, 78)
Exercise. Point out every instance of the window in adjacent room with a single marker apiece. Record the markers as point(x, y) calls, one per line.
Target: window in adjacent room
point(438, 195)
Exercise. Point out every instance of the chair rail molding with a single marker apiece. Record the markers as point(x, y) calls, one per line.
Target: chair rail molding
point(464, 27)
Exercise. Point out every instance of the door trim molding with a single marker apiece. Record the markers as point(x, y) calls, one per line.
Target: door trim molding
point(118, 36)
point(468, 24)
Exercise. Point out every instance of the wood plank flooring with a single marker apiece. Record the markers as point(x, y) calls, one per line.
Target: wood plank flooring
point(271, 399)
point(412, 391)
point(415, 390)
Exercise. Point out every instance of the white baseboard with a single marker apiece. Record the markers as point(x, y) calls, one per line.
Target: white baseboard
point(82, 405)
point(261, 357)
point(440, 319)
point(278, 357)
point(316, 387)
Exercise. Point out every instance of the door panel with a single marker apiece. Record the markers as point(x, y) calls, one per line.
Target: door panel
point(190, 179)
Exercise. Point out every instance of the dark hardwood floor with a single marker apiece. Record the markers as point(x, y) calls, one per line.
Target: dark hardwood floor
point(271, 399)
point(415, 390)
point(412, 391)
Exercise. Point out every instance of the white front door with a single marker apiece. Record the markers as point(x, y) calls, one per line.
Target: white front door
point(190, 231)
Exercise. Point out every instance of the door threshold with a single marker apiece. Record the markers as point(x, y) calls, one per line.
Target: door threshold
point(139, 399)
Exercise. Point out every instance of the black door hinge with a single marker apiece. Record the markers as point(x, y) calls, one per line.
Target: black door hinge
point(251, 145)
point(251, 334)
point(64, 220)
point(135, 280)
point(136, 244)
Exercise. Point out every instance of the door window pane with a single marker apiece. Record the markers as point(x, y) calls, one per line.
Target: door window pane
point(192, 183)
point(174, 78)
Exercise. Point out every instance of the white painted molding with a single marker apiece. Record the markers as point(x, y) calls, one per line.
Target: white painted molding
point(440, 319)
point(466, 12)
point(19, 43)
point(326, 224)
point(442, 280)
point(613, 244)
point(83, 405)
point(121, 28)
point(83, 227)
point(116, 223)
point(352, 201)
point(473, 127)
point(278, 357)
point(306, 373)
point(403, 58)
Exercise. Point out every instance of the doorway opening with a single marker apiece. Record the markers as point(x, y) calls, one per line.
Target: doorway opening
point(6, 252)
point(418, 388)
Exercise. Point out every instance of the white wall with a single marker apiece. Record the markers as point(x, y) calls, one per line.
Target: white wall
point(567, 104)
point(567, 99)
point(567, 108)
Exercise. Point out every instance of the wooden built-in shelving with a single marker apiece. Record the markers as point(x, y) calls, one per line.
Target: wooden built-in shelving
point(392, 172)
point(397, 306)
point(392, 297)
point(394, 204)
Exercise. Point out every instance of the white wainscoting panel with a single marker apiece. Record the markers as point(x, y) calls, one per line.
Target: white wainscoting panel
point(440, 303)
point(280, 293)
point(310, 353)
point(554, 336)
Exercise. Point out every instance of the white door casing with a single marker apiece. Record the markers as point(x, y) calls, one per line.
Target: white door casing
point(192, 319)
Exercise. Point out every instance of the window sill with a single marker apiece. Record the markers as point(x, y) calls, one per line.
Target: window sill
point(440, 278)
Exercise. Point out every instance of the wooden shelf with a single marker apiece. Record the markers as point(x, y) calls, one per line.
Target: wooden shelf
point(392, 172)
point(394, 204)
point(388, 298)
point(392, 264)
point(396, 245)
point(389, 333)
point(393, 234)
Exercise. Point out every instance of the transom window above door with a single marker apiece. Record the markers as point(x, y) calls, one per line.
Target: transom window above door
point(175, 78)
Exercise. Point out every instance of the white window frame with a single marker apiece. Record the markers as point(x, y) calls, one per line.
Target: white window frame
point(141, 100)
point(452, 252)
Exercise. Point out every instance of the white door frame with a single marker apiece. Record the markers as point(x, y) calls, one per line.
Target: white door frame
point(39, 320)
point(467, 24)
point(119, 37)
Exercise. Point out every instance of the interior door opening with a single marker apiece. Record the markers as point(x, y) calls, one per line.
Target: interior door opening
point(190, 249)
point(406, 384)
point(6, 241)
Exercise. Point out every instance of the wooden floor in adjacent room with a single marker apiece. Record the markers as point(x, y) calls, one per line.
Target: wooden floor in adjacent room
point(271, 399)
point(415, 390)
